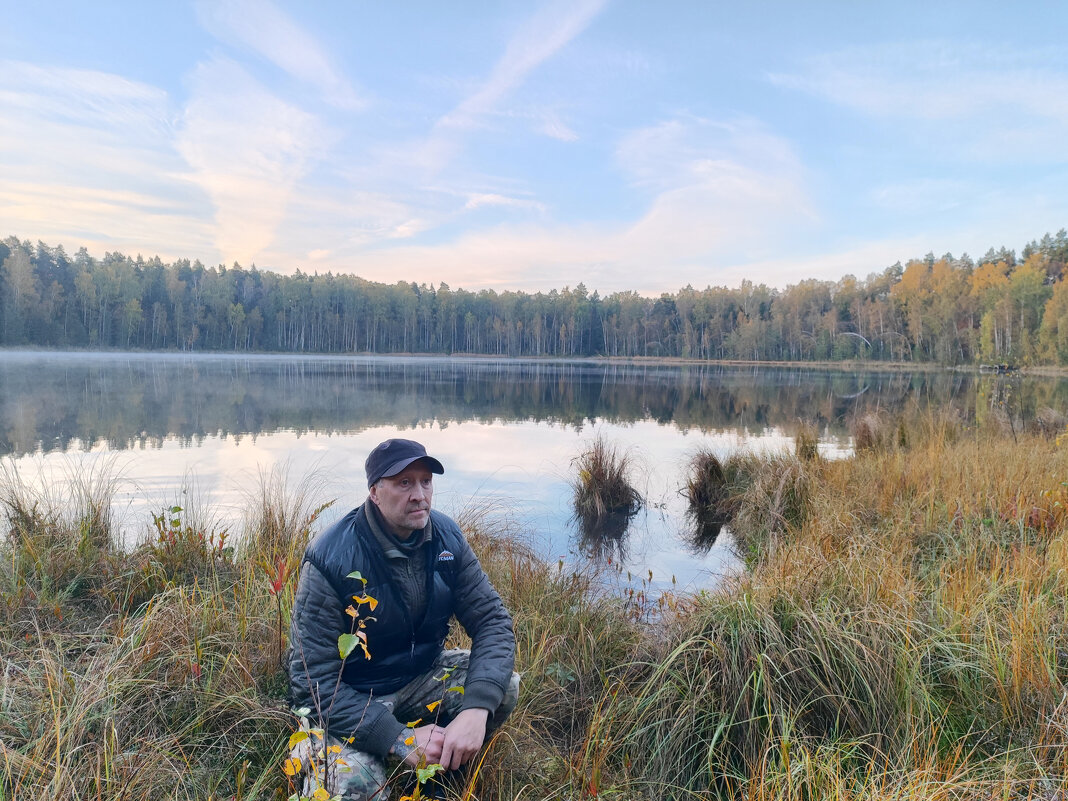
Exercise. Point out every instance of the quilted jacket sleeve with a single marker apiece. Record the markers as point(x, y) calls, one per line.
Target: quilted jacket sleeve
point(315, 668)
point(482, 614)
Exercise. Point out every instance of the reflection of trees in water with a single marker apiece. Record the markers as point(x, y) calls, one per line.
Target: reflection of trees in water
point(48, 402)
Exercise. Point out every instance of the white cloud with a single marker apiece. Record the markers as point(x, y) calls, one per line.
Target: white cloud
point(544, 34)
point(718, 185)
point(89, 155)
point(248, 149)
point(860, 261)
point(555, 128)
point(541, 37)
point(715, 191)
point(979, 100)
point(263, 27)
point(924, 196)
point(480, 199)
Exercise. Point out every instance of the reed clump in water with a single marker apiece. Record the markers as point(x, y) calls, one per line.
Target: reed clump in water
point(602, 486)
point(713, 490)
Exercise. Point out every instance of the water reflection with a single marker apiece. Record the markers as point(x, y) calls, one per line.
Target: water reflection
point(53, 402)
point(605, 539)
point(709, 500)
point(508, 432)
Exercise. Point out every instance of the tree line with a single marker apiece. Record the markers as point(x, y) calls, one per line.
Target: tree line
point(997, 309)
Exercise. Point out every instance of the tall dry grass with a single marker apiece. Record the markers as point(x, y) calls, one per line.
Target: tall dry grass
point(144, 672)
point(907, 629)
point(901, 633)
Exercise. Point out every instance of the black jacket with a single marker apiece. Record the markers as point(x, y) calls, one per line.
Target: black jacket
point(401, 648)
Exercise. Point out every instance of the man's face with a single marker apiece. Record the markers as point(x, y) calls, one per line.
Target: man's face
point(404, 499)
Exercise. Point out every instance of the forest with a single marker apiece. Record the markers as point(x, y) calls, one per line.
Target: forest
point(1000, 309)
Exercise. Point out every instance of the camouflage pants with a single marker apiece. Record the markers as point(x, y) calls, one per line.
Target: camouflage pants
point(358, 776)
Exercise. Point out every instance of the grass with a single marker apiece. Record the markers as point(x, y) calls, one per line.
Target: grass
point(901, 633)
point(604, 497)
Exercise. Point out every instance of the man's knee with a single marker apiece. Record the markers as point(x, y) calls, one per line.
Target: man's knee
point(340, 770)
point(508, 704)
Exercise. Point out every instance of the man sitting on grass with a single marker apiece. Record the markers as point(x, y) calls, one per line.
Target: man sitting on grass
point(397, 694)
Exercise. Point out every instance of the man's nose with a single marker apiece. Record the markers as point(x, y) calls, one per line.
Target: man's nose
point(418, 491)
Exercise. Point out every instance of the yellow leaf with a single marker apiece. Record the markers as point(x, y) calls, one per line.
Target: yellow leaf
point(350, 611)
point(333, 749)
point(350, 740)
point(321, 795)
point(297, 737)
point(411, 724)
point(433, 706)
point(291, 766)
point(410, 741)
point(373, 602)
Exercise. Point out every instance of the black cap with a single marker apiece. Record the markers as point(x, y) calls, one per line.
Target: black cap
point(393, 455)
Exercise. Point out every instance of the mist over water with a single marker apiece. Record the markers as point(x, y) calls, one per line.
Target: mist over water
point(200, 430)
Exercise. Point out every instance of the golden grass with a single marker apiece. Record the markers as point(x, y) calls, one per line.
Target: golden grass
point(902, 633)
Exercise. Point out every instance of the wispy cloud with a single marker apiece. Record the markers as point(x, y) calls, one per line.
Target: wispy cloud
point(859, 260)
point(539, 38)
point(980, 100)
point(923, 196)
point(715, 192)
point(483, 199)
point(248, 149)
point(719, 187)
point(89, 154)
point(265, 29)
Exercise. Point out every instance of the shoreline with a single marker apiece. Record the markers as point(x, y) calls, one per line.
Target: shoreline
point(669, 361)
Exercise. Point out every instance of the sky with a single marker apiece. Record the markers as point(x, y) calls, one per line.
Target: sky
point(623, 144)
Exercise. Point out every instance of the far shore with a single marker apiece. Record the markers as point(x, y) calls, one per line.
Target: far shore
point(851, 366)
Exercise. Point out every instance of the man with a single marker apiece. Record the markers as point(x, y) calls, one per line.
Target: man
point(397, 694)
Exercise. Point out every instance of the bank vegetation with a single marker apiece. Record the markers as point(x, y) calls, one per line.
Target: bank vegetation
point(899, 631)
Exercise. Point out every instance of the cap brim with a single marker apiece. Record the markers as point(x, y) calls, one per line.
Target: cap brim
point(399, 467)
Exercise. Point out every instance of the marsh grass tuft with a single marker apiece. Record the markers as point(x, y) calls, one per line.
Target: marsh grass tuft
point(775, 502)
point(711, 491)
point(806, 442)
point(603, 495)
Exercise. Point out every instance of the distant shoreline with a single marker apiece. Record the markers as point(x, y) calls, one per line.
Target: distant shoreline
point(677, 361)
point(842, 366)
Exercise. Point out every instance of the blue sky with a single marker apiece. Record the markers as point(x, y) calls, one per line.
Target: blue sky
point(626, 145)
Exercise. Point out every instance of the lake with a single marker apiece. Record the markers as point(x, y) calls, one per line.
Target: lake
point(201, 430)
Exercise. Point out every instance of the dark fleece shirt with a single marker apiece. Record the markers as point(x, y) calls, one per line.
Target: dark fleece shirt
point(408, 572)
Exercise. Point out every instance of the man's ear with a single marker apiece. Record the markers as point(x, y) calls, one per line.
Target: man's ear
point(373, 491)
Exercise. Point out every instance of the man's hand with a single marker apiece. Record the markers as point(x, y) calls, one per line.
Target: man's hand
point(415, 744)
point(463, 737)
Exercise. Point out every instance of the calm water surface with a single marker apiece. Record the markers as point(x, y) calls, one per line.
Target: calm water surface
point(202, 429)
